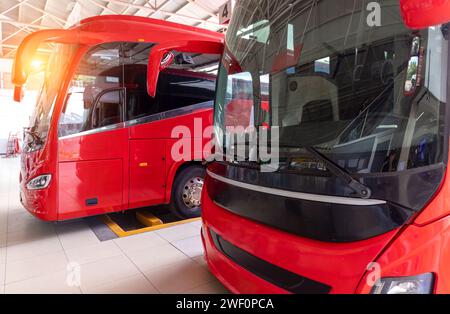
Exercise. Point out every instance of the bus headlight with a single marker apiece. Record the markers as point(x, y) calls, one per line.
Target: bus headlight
point(421, 284)
point(40, 182)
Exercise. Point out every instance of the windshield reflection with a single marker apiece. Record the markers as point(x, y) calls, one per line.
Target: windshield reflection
point(371, 99)
point(36, 134)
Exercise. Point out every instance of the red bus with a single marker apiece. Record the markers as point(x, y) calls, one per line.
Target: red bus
point(359, 201)
point(100, 138)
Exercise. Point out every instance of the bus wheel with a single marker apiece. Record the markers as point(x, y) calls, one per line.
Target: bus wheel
point(187, 191)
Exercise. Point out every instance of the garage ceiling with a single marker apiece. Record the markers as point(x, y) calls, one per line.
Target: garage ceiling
point(21, 17)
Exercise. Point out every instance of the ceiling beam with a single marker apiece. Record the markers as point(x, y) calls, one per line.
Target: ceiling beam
point(179, 9)
point(137, 6)
point(45, 9)
point(57, 19)
point(23, 28)
point(104, 7)
point(43, 50)
point(13, 7)
point(75, 14)
point(134, 2)
point(20, 24)
point(158, 8)
point(203, 8)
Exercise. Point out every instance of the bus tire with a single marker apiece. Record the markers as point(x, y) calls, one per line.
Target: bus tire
point(186, 192)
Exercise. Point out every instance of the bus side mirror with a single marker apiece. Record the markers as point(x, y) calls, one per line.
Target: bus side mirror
point(161, 57)
point(419, 14)
point(18, 93)
point(158, 61)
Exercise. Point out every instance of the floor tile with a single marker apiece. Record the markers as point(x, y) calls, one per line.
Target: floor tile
point(137, 284)
point(140, 241)
point(51, 283)
point(179, 277)
point(30, 232)
point(92, 253)
point(214, 287)
point(4, 193)
point(106, 271)
point(35, 267)
point(178, 232)
point(196, 224)
point(3, 236)
point(158, 256)
point(40, 257)
point(2, 273)
point(3, 222)
point(77, 234)
point(192, 246)
point(2, 256)
point(200, 260)
point(19, 221)
point(30, 248)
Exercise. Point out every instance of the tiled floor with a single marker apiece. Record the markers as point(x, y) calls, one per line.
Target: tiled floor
point(40, 257)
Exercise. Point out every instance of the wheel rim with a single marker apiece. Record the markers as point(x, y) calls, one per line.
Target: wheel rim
point(192, 192)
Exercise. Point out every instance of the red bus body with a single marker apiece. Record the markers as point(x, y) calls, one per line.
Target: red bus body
point(249, 256)
point(128, 166)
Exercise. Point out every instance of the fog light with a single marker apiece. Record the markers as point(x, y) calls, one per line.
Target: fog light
point(421, 284)
point(40, 182)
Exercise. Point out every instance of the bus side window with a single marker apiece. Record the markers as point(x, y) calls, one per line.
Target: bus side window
point(108, 109)
point(139, 103)
point(135, 61)
point(189, 80)
point(99, 70)
point(73, 116)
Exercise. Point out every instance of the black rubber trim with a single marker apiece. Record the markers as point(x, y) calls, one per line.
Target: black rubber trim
point(321, 221)
point(410, 189)
point(275, 275)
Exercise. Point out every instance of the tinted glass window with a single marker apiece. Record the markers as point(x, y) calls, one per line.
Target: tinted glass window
point(189, 80)
point(371, 99)
point(99, 70)
point(108, 109)
point(139, 103)
point(56, 69)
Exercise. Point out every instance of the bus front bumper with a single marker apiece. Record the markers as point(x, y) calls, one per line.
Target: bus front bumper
point(235, 278)
point(38, 202)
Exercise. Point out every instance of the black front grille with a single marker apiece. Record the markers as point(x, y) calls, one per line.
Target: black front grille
point(275, 275)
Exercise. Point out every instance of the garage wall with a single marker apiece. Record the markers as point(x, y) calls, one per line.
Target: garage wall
point(14, 116)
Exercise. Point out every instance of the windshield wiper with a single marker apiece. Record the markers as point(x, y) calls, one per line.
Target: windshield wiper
point(360, 189)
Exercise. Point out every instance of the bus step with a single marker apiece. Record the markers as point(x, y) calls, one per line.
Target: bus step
point(136, 221)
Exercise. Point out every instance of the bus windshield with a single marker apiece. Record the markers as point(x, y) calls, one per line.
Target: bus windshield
point(350, 81)
point(42, 114)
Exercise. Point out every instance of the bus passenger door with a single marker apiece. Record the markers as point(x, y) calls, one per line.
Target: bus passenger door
point(147, 147)
point(147, 172)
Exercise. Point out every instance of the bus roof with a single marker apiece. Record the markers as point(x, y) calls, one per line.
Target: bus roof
point(149, 21)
